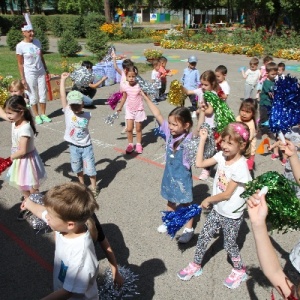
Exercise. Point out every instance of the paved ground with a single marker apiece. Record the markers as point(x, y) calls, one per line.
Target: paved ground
point(130, 205)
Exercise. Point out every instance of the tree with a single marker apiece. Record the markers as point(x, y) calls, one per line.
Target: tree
point(107, 11)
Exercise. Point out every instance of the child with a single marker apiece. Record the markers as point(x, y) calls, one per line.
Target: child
point(125, 64)
point(247, 115)
point(90, 91)
point(230, 179)
point(155, 78)
point(164, 73)
point(67, 209)
point(270, 265)
point(27, 171)
point(280, 72)
point(177, 184)
point(135, 113)
point(208, 83)
point(263, 74)
point(252, 76)
point(17, 88)
point(78, 136)
point(221, 73)
point(265, 104)
point(191, 81)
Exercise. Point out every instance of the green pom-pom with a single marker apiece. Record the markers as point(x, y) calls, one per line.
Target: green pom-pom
point(283, 204)
point(223, 114)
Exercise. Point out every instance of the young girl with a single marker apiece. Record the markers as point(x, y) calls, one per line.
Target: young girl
point(177, 183)
point(208, 83)
point(27, 170)
point(258, 211)
point(134, 113)
point(247, 115)
point(229, 182)
point(17, 88)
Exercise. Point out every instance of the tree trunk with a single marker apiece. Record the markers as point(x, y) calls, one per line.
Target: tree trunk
point(107, 11)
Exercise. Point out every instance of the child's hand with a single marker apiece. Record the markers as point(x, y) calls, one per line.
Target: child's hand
point(65, 75)
point(118, 280)
point(203, 134)
point(257, 209)
point(241, 69)
point(205, 203)
point(23, 205)
point(113, 54)
point(203, 106)
point(104, 77)
point(288, 148)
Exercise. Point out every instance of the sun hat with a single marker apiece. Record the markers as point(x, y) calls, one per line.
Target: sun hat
point(74, 97)
point(192, 59)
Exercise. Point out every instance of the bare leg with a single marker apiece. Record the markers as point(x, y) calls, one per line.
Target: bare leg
point(138, 127)
point(43, 108)
point(80, 177)
point(129, 131)
point(34, 109)
point(93, 182)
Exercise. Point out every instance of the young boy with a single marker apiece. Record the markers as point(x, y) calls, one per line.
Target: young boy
point(221, 73)
point(163, 76)
point(252, 76)
point(263, 74)
point(191, 81)
point(156, 79)
point(280, 72)
point(78, 136)
point(265, 104)
point(67, 209)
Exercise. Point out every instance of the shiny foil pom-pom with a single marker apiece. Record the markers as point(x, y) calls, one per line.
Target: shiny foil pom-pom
point(147, 87)
point(283, 204)
point(174, 220)
point(82, 77)
point(38, 224)
point(4, 164)
point(222, 113)
point(108, 56)
point(285, 111)
point(176, 96)
point(111, 118)
point(114, 99)
point(107, 290)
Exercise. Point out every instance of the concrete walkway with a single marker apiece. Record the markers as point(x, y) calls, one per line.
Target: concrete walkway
point(130, 204)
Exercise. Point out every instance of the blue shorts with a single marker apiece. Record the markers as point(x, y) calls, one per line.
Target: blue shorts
point(82, 159)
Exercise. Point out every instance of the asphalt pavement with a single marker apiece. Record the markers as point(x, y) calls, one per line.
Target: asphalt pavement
point(130, 203)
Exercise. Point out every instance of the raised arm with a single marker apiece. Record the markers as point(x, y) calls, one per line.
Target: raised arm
point(118, 70)
point(98, 83)
point(3, 114)
point(37, 209)
point(63, 96)
point(154, 109)
point(258, 210)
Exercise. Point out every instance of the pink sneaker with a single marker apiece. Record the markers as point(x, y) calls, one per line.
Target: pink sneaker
point(284, 161)
point(204, 174)
point(191, 270)
point(129, 149)
point(235, 278)
point(139, 149)
point(274, 156)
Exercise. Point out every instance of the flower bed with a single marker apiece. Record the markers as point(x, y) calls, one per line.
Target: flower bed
point(152, 53)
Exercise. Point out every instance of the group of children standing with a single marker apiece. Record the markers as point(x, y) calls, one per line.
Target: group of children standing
point(234, 160)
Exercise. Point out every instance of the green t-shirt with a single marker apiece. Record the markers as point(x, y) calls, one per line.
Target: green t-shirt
point(267, 88)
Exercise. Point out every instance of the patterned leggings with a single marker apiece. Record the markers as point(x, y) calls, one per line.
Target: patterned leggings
point(213, 223)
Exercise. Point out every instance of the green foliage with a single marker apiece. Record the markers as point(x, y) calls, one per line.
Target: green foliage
point(97, 43)
point(14, 36)
point(71, 23)
point(79, 6)
point(42, 37)
point(68, 45)
point(55, 25)
point(39, 21)
point(92, 21)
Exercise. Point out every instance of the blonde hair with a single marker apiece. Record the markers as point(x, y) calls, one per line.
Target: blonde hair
point(17, 84)
point(71, 201)
point(237, 137)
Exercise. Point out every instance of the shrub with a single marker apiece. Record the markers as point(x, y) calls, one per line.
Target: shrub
point(92, 22)
point(14, 36)
point(68, 45)
point(42, 37)
point(54, 22)
point(39, 21)
point(97, 43)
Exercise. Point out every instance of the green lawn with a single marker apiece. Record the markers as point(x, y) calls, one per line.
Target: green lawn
point(54, 61)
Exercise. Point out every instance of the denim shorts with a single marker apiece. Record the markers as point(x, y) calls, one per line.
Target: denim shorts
point(82, 159)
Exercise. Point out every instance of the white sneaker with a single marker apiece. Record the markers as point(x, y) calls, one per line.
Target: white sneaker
point(186, 235)
point(162, 228)
point(194, 114)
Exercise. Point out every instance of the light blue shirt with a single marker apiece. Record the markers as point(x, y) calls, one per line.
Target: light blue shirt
point(191, 79)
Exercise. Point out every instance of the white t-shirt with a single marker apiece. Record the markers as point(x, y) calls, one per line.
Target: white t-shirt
point(77, 131)
point(24, 130)
point(31, 53)
point(225, 87)
point(237, 172)
point(76, 266)
point(210, 120)
point(252, 76)
point(155, 77)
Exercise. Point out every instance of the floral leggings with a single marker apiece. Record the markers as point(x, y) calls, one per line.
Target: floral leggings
point(213, 223)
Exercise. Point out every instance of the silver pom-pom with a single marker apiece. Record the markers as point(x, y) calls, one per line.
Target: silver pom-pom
point(38, 224)
point(107, 290)
point(149, 88)
point(82, 77)
point(111, 118)
point(191, 146)
point(108, 56)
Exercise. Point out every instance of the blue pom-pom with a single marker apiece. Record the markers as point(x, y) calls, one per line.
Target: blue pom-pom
point(158, 132)
point(285, 112)
point(174, 220)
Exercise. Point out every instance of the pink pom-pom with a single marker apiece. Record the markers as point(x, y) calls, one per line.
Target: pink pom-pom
point(114, 99)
